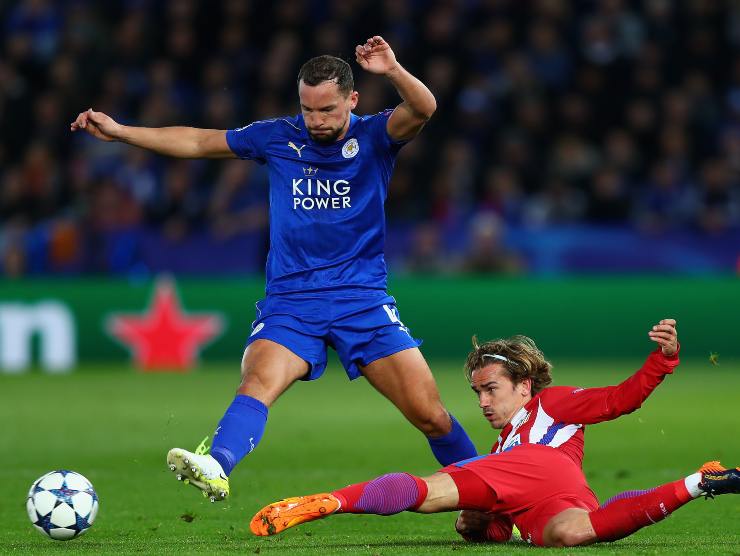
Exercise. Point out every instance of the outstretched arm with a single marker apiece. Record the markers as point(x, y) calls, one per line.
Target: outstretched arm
point(594, 405)
point(180, 142)
point(418, 103)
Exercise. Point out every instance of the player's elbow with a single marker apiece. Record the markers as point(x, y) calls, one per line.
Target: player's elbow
point(428, 110)
point(618, 410)
point(209, 143)
point(422, 110)
point(618, 404)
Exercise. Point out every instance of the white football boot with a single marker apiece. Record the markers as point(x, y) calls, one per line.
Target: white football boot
point(200, 470)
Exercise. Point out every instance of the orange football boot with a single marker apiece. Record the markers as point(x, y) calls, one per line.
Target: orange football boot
point(279, 516)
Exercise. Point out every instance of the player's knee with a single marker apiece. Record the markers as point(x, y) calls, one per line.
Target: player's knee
point(251, 380)
point(434, 422)
point(262, 377)
point(246, 368)
point(264, 384)
point(250, 373)
point(565, 534)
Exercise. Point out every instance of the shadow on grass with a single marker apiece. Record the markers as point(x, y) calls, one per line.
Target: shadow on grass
point(307, 545)
point(438, 546)
point(418, 545)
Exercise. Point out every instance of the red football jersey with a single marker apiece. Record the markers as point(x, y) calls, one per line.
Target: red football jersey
point(557, 415)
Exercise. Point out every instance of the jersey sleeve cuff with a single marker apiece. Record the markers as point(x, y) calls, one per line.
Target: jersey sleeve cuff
point(667, 361)
point(231, 142)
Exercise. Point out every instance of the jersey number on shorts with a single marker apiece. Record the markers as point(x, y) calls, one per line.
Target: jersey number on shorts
point(392, 312)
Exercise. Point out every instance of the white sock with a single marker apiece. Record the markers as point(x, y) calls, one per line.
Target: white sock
point(692, 485)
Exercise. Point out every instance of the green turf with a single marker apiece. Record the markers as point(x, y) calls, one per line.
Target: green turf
point(116, 427)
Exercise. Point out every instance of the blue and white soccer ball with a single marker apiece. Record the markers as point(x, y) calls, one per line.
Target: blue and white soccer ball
point(62, 505)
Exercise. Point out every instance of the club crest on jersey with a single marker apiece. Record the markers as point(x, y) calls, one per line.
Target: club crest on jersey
point(350, 148)
point(296, 149)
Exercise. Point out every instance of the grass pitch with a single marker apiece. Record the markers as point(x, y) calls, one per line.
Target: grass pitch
point(115, 426)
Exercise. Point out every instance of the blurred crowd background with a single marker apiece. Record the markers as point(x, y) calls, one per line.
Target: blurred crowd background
point(570, 136)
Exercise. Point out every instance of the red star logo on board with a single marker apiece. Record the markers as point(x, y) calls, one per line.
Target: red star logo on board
point(164, 337)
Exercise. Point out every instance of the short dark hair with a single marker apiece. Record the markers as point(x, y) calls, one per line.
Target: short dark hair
point(327, 68)
point(523, 360)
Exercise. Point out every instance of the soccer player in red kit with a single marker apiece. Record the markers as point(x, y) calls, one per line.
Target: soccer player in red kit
point(533, 477)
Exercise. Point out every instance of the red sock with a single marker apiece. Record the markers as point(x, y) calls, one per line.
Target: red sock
point(423, 490)
point(349, 495)
point(623, 517)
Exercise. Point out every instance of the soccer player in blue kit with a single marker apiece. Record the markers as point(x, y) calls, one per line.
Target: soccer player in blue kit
point(326, 272)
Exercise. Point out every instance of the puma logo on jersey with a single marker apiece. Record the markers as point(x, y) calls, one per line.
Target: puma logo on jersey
point(296, 149)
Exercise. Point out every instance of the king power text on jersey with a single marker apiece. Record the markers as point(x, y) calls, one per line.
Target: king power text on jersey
point(310, 194)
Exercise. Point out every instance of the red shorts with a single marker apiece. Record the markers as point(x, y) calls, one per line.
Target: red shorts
point(531, 483)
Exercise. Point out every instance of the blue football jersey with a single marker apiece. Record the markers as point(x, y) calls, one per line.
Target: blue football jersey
point(327, 220)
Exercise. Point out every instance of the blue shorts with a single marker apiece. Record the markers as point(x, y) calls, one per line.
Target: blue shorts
point(362, 327)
